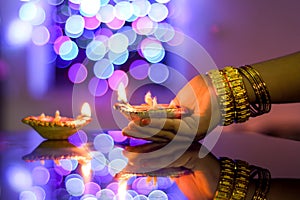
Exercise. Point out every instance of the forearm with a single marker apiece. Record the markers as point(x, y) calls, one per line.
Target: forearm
point(282, 78)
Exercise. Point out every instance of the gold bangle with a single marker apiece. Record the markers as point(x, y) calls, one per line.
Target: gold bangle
point(241, 103)
point(241, 180)
point(263, 182)
point(263, 99)
point(226, 181)
point(224, 94)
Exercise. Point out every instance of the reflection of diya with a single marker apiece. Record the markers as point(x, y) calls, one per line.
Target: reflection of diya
point(58, 127)
point(172, 172)
point(57, 150)
point(150, 109)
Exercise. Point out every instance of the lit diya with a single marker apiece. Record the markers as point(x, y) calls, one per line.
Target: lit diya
point(58, 127)
point(149, 109)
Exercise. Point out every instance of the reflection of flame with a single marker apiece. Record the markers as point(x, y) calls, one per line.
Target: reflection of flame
point(122, 93)
point(86, 109)
point(122, 189)
point(86, 170)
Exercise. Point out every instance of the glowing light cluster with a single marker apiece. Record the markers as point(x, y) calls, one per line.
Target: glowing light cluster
point(105, 32)
point(96, 182)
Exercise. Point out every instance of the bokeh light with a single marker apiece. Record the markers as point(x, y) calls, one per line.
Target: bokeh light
point(91, 188)
point(139, 69)
point(66, 164)
point(75, 186)
point(141, 7)
point(130, 34)
point(40, 35)
point(15, 174)
point(144, 26)
point(79, 138)
point(113, 186)
point(118, 58)
point(142, 186)
point(105, 194)
point(74, 26)
point(140, 197)
point(158, 12)
point(39, 17)
point(58, 42)
point(27, 195)
point(96, 50)
point(98, 87)
point(103, 143)
point(116, 24)
point(55, 2)
point(40, 175)
point(109, 33)
point(68, 50)
point(98, 161)
point(28, 11)
point(118, 77)
point(103, 68)
point(152, 50)
point(89, 8)
point(158, 194)
point(118, 43)
point(124, 10)
point(115, 166)
point(91, 23)
point(39, 192)
point(158, 72)
point(106, 13)
point(164, 32)
point(77, 73)
point(88, 197)
point(19, 32)
point(117, 153)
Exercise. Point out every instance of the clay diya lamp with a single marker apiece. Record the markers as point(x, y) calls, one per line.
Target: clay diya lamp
point(150, 109)
point(58, 127)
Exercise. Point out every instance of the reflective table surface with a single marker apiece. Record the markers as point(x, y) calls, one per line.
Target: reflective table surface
point(87, 166)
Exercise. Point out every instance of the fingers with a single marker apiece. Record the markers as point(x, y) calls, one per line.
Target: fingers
point(153, 133)
point(135, 131)
point(148, 133)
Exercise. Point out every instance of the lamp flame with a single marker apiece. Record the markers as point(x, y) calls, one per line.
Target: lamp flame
point(86, 110)
point(122, 93)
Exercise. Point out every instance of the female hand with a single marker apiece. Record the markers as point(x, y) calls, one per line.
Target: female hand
point(197, 96)
point(196, 170)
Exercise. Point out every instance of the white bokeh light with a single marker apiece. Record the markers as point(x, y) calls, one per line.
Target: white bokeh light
point(141, 7)
point(118, 43)
point(89, 8)
point(124, 10)
point(106, 13)
point(19, 32)
point(158, 12)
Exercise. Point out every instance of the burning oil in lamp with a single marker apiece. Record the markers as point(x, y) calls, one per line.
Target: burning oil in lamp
point(151, 108)
point(59, 127)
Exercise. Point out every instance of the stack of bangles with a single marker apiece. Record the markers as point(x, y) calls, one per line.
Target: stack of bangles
point(232, 95)
point(235, 107)
point(235, 177)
